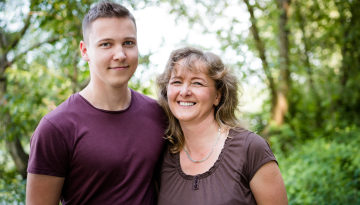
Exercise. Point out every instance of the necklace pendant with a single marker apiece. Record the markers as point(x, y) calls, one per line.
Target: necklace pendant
point(208, 155)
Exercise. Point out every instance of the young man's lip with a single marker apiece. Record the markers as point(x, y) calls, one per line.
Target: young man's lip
point(119, 67)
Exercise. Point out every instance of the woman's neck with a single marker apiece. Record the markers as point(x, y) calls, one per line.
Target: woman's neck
point(200, 136)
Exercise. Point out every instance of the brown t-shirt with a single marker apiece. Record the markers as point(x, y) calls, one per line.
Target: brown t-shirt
point(226, 182)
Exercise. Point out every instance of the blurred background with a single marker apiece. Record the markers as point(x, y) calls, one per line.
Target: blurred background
point(298, 62)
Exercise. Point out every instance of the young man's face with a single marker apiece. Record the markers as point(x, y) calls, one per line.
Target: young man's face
point(111, 51)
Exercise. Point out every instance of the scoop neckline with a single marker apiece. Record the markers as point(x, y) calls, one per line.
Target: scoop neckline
point(212, 168)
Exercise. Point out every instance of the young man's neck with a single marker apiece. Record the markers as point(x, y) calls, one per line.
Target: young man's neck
point(112, 99)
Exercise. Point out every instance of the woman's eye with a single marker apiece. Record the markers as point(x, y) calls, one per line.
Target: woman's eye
point(197, 83)
point(175, 82)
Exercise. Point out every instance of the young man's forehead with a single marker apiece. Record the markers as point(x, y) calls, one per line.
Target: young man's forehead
point(103, 21)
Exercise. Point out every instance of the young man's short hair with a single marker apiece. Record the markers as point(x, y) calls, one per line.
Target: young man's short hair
point(104, 9)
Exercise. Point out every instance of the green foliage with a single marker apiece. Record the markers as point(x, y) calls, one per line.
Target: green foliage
point(28, 101)
point(12, 189)
point(12, 186)
point(321, 171)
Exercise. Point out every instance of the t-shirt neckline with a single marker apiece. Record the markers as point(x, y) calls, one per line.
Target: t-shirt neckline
point(108, 111)
point(212, 169)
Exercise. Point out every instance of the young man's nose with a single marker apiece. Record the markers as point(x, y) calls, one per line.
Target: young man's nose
point(119, 53)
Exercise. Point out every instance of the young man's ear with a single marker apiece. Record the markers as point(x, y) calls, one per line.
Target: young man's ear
point(83, 51)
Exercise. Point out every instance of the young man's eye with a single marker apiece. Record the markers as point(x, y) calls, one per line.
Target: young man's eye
point(129, 43)
point(105, 45)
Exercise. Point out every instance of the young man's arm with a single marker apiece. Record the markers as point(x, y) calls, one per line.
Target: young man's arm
point(43, 189)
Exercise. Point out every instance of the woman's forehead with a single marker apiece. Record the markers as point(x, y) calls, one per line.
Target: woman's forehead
point(195, 66)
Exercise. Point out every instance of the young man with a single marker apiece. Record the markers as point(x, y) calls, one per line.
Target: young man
point(102, 145)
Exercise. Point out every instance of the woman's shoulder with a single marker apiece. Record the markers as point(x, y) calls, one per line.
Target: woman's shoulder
point(246, 135)
point(247, 140)
point(253, 150)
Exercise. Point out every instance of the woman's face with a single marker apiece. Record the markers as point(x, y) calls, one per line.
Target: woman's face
point(192, 95)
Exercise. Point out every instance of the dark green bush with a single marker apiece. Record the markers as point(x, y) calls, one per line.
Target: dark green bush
point(322, 171)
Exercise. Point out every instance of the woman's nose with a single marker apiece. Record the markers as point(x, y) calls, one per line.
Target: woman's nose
point(185, 90)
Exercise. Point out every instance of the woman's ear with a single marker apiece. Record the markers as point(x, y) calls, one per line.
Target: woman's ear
point(217, 99)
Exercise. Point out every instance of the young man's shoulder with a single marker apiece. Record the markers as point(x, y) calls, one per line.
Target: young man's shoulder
point(66, 109)
point(147, 105)
point(146, 101)
point(144, 98)
point(60, 121)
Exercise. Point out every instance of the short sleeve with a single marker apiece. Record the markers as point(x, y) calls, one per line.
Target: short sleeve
point(49, 153)
point(258, 154)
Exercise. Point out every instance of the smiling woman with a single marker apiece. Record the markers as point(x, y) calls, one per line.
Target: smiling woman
point(191, 69)
point(211, 159)
point(191, 95)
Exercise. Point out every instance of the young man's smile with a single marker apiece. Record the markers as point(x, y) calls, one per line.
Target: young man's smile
point(111, 51)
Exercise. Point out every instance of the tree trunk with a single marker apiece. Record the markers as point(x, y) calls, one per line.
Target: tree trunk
point(308, 67)
point(281, 107)
point(261, 50)
point(18, 155)
point(350, 75)
point(278, 93)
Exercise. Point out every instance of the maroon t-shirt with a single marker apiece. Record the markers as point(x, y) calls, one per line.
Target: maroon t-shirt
point(226, 182)
point(106, 157)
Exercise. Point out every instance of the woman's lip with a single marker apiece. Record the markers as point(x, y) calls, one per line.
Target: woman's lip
point(186, 103)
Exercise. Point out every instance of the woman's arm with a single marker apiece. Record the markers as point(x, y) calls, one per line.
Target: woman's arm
point(268, 186)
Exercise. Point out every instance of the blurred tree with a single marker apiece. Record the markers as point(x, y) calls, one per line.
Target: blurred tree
point(324, 54)
point(10, 53)
point(279, 90)
point(260, 46)
point(348, 40)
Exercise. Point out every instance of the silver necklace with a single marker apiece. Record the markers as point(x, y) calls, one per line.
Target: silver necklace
point(207, 156)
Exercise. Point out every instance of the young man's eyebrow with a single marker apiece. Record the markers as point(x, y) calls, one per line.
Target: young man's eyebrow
point(105, 39)
point(111, 39)
point(130, 38)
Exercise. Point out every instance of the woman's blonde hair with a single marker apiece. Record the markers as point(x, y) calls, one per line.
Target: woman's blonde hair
point(225, 83)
